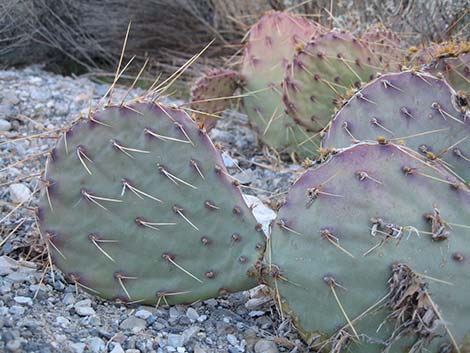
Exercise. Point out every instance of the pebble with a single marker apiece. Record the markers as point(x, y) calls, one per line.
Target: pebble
point(256, 313)
point(78, 347)
point(62, 321)
point(192, 314)
point(16, 310)
point(265, 346)
point(174, 313)
point(175, 340)
point(68, 299)
point(117, 348)
point(133, 324)
point(23, 300)
point(96, 344)
point(40, 95)
point(4, 125)
point(10, 98)
point(19, 193)
point(143, 314)
point(84, 310)
point(233, 340)
point(254, 303)
point(14, 345)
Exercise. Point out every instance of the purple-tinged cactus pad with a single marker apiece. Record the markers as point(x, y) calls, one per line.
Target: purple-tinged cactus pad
point(138, 206)
point(272, 44)
point(411, 108)
point(321, 74)
point(371, 253)
point(385, 46)
point(207, 96)
point(454, 68)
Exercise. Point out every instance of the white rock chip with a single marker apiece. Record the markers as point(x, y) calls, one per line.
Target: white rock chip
point(262, 213)
point(19, 192)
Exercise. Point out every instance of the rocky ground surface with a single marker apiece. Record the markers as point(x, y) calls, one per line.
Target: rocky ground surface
point(41, 312)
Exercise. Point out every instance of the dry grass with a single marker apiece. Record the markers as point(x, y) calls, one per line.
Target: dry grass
point(86, 36)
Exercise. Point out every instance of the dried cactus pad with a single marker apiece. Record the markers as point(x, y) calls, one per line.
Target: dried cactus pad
point(271, 46)
point(413, 108)
point(321, 74)
point(385, 46)
point(137, 206)
point(207, 96)
point(370, 253)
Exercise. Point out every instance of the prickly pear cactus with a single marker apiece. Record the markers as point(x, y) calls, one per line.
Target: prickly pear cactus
point(369, 254)
point(411, 108)
point(208, 93)
point(418, 56)
point(321, 74)
point(385, 46)
point(137, 206)
point(270, 47)
point(453, 63)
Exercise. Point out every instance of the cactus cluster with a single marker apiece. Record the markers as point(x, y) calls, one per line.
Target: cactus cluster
point(369, 251)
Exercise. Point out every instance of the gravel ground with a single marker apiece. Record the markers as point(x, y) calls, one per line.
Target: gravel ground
point(40, 312)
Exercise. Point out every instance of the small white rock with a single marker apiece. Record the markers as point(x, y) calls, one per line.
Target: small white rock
point(84, 310)
point(174, 313)
point(256, 313)
point(23, 300)
point(62, 321)
point(232, 339)
point(96, 344)
point(143, 314)
point(192, 314)
point(19, 192)
point(262, 213)
point(4, 125)
point(202, 318)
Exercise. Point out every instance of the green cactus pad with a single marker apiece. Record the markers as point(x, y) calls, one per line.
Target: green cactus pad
point(137, 206)
point(370, 253)
point(271, 46)
point(385, 46)
point(321, 74)
point(411, 108)
point(206, 96)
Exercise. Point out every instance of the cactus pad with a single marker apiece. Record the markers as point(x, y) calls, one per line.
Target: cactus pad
point(370, 253)
point(137, 206)
point(271, 46)
point(207, 96)
point(455, 68)
point(412, 108)
point(321, 74)
point(385, 46)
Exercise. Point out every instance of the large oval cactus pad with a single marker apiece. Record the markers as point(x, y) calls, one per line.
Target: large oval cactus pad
point(138, 206)
point(371, 251)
